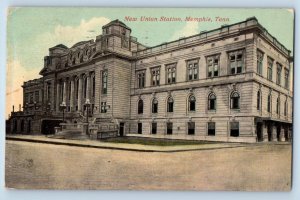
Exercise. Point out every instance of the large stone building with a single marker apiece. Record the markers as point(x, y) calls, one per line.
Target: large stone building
point(228, 84)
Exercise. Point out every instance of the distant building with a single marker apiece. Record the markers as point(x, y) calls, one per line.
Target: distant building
point(228, 84)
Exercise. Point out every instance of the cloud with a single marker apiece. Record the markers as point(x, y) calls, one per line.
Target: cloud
point(191, 28)
point(16, 74)
point(69, 35)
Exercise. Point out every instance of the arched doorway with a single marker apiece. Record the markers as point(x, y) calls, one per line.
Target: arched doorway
point(48, 126)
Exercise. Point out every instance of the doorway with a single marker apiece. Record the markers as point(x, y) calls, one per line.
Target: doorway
point(259, 132)
point(121, 131)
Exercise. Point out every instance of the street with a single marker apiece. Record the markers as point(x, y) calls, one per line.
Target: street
point(47, 166)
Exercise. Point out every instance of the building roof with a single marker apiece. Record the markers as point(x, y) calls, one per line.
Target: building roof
point(79, 43)
point(118, 23)
point(61, 46)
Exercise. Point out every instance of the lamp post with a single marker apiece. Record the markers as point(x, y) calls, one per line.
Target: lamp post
point(63, 107)
point(87, 105)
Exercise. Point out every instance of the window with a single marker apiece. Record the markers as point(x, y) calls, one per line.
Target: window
point(278, 77)
point(269, 103)
point(141, 79)
point(285, 107)
point(154, 128)
point(155, 76)
point(278, 106)
point(212, 101)
point(171, 73)
point(69, 90)
point(103, 107)
point(236, 62)
point(191, 128)
point(258, 100)
point(93, 84)
point(270, 69)
point(154, 106)
point(104, 82)
point(77, 88)
point(140, 128)
point(140, 106)
point(37, 96)
point(85, 87)
point(169, 128)
point(260, 58)
point(192, 70)
point(31, 98)
point(235, 100)
point(170, 104)
point(286, 78)
point(213, 63)
point(192, 103)
point(211, 128)
point(48, 92)
point(234, 129)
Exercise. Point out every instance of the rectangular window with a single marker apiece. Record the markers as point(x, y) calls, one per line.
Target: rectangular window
point(104, 82)
point(236, 62)
point(260, 58)
point(192, 70)
point(103, 108)
point(234, 129)
point(31, 98)
point(37, 96)
point(155, 76)
point(141, 79)
point(211, 128)
point(48, 91)
point(213, 64)
point(154, 128)
point(140, 128)
point(169, 128)
point(278, 76)
point(286, 78)
point(171, 73)
point(191, 128)
point(270, 69)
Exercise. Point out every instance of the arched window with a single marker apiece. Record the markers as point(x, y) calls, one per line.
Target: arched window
point(278, 106)
point(258, 100)
point(154, 106)
point(140, 106)
point(235, 100)
point(269, 103)
point(104, 82)
point(285, 107)
point(192, 103)
point(170, 106)
point(212, 101)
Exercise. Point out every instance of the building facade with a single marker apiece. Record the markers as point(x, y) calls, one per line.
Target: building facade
point(228, 84)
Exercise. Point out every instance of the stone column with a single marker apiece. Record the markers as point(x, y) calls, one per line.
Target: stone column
point(79, 94)
point(88, 83)
point(290, 134)
point(57, 96)
point(274, 133)
point(281, 136)
point(64, 91)
point(72, 95)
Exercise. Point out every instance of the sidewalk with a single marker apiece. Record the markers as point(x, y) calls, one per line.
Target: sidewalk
point(128, 147)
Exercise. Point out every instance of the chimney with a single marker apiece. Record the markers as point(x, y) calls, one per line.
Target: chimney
point(13, 109)
point(19, 107)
